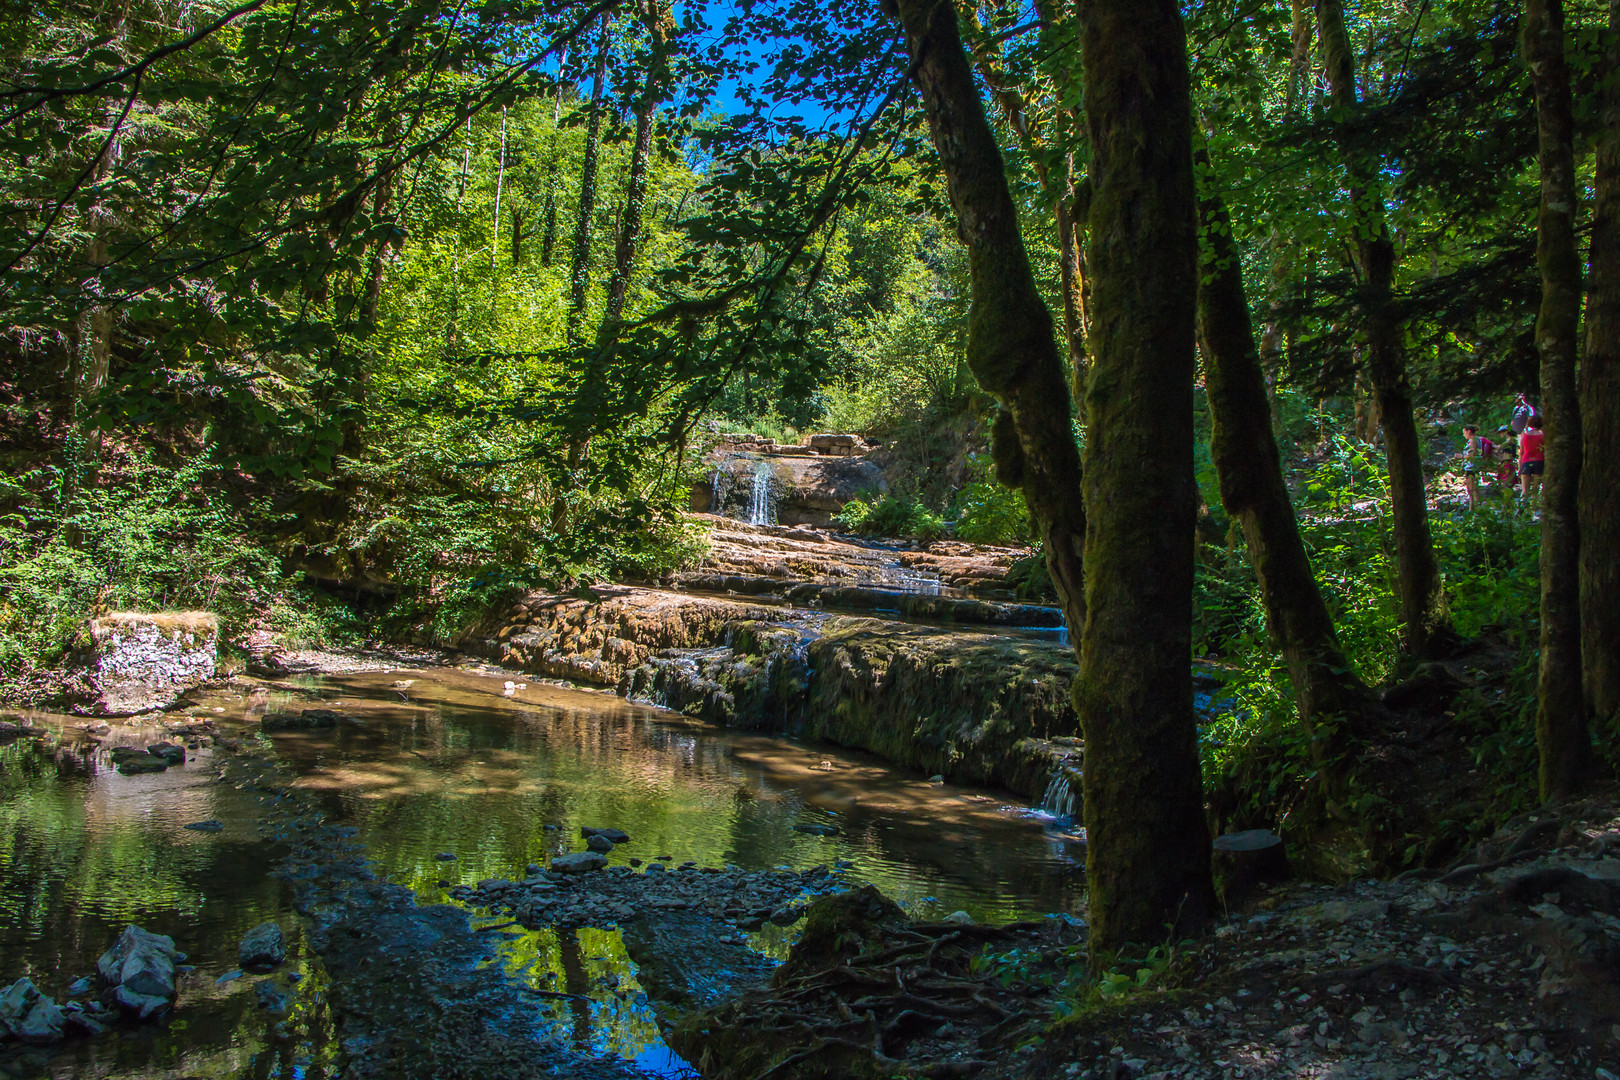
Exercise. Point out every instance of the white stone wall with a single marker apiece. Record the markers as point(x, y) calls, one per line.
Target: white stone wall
point(143, 663)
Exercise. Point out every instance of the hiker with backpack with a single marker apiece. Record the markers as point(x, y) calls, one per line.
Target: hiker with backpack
point(1477, 454)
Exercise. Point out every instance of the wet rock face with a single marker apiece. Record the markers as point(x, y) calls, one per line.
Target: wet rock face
point(141, 966)
point(29, 1015)
point(143, 662)
point(806, 486)
point(263, 946)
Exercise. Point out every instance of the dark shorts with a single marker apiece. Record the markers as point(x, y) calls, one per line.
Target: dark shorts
point(1532, 468)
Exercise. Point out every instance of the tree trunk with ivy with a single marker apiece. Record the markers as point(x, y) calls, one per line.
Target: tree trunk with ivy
point(1599, 498)
point(1010, 346)
point(1561, 738)
point(1248, 467)
point(1418, 578)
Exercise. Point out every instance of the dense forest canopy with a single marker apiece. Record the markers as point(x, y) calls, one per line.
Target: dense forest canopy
point(352, 317)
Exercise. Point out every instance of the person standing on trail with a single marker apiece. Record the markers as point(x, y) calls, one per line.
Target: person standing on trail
point(1476, 454)
point(1507, 469)
point(1532, 460)
point(1525, 415)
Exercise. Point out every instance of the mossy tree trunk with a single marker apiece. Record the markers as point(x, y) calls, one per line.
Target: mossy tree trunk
point(1248, 467)
point(1561, 738)
point(1148, 856)
point(1010, 348)
point(1148, 860)
point(1418, 578)
point(1600, 413)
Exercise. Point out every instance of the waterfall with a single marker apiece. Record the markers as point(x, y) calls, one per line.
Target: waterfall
point(1062, 794)
point(760, 510)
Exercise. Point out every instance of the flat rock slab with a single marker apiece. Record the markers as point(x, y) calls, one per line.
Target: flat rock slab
point(579, 862)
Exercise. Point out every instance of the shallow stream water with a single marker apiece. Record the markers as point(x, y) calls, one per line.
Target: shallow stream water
point(435, 763)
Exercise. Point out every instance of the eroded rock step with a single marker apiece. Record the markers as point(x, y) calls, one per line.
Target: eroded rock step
point(877, 599)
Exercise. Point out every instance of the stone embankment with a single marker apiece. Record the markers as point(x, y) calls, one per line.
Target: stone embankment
point(919, 672)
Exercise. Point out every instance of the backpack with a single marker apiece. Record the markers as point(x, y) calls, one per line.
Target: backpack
point(1487, 449)
point(1525, 416)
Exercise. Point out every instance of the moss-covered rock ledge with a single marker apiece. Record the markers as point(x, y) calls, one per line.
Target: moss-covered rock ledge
point(974, 705)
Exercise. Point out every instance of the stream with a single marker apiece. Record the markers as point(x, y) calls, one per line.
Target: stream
point(450, 776)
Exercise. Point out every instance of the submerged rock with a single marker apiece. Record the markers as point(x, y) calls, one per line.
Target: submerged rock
point(211, 825)
point(263, 946)
point(599, 843)
point(142, 964)
point(169, 752)
point(271, 997)
point(132, 762)
point(141, 1006)
point(617, 836)
point(578, 863)
point(307, 720)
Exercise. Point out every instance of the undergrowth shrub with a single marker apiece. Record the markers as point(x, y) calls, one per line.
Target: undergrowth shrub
point(899, 516)
point(988, 513)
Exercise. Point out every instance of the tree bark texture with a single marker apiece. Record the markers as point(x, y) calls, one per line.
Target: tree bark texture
point(1600, 415)
point(1148, 857)
point(1068, 198)
point(1418, 576)
point(1010, 346)
point(581, 271)
point(1561, 738)
point(1248, 467)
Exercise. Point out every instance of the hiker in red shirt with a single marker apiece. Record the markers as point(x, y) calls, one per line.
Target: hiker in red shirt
point(1532, 461)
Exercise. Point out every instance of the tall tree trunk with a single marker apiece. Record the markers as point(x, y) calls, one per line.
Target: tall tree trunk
point(1422, 625)
point(548, 238)
point(1147, 865)
point(1565, 749)
point(624, 251)
point(1249, 469)
point(1069, 199)
point(1010, 346)
point(1600, 414)
point(580, 277)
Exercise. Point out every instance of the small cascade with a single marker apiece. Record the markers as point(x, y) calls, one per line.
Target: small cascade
point(1063, 794)
point(761, 509)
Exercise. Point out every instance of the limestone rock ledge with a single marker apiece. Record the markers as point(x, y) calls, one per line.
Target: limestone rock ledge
point(976, 706)
point(146, 661)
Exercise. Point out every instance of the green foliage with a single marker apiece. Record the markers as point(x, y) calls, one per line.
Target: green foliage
point(899, 516)
point(154, 539)
point(988, 513)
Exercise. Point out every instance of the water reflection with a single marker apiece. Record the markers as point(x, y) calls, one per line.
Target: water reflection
point(454, 765)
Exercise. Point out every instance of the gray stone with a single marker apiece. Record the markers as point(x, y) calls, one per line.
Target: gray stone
point(146, 661)
point(617, 836)
point(263, 946)
point(142, 1006)
point(599, 843)
point(141, 962)
point(80, 1022)
point(272, 998)
point(578, 863)
point(43, 1024)
point(228, 977)
point(168, 751)
point(82, 986)
point(16, 1001)
point(136, 764)
point(307, 720)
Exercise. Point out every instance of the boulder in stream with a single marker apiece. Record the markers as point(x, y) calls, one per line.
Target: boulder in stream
point(578, 863)
point(306, 720)
point(170, 752)
point(29, 1015)
point(142, 661)
point(264, 946)
point(617, 836)
point(599, 843)
point(141, 965)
